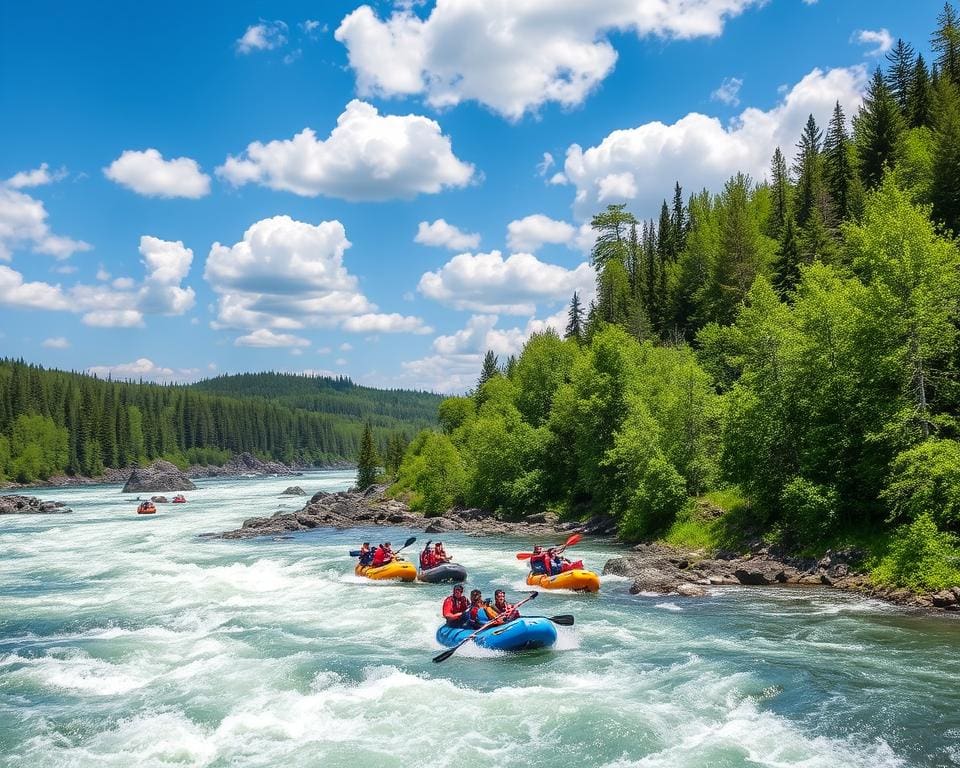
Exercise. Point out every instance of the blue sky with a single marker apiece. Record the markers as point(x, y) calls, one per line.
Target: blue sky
point(192, 189)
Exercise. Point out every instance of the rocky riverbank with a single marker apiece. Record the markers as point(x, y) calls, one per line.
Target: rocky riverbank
point(31, 505)
point(654, 568)
point(659, 569)
point(239, 466)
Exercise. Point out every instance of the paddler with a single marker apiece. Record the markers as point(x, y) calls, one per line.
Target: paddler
point(476, 614)
point(427, 559)
point(539, 562)
point(501, 609)
point(454, 607)
point(440, 554)
point(383, 555)
point(366, 554)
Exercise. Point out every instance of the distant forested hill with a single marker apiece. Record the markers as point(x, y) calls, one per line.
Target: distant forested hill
point(324, 394)
point(54, 422)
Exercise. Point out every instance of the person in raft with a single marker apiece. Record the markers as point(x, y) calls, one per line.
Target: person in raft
point(501, 609)
point(440, 554)
point(454, 607)
point(366, 554)
point(383, 555)
point(539, 562)
point(427, 558)
point(476, 614)
point(561, 564)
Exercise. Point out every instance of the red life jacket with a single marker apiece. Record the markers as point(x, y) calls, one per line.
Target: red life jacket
point(453, 605)
point(425, 559)
point(474, 613)
point(379, 556)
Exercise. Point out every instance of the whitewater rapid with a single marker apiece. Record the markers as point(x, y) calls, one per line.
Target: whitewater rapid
point(135, 641)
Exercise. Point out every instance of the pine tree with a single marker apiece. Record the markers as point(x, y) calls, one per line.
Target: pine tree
point(946, 43)
point(838, 168)
point(490, 369)
point(678, 222)
point(788, 259)
point(920, 95)
point(650, 269)
point(900, 73)
point(665, 252)
point(612, 227)
point(367, 460)
point(575, 320)
point(634, 260)
point(809, 170)
point(781, 193)
point(945, 189)
point(878, 129)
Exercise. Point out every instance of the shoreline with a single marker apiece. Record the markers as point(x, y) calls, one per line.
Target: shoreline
point(654, 567)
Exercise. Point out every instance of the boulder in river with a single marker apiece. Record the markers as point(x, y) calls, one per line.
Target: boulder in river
point(159, 476)
point(159, 499)
point(31, 505)
point(294, 490)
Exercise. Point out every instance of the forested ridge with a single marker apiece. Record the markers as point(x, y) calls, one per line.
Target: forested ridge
point(785, 351)
point(54, 422)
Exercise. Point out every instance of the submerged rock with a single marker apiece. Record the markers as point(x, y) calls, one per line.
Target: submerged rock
point(159, 476)
point(294, 490)
point(31, 505)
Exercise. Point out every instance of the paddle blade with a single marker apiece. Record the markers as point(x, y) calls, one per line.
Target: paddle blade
point(566, 620)
point(354, 553)
point(409, 541)
point(445, 655)
point(524, 555)
point(574, 539)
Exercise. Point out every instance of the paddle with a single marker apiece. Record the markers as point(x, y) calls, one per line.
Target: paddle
point(570, 542)
point(356, 552)
point(566, 620)
point(450, 651)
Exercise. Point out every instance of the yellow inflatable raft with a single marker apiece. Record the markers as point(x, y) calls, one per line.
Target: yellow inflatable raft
point(398, 569)
point(584, 581)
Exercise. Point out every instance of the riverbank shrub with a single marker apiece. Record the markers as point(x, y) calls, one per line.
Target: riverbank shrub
point(926, 479)
point(433, 471)
point(920, 557)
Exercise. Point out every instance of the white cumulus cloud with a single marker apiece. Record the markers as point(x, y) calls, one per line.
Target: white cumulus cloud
point(264, 36)
point(486, 282)
point(144, 368)
point(23, 222)
point(880, 39)
point(264, 337)
point(530, 232)
point(701, 151)
point(148, 174)
point(35, 178)
point(443, 235)
point(286, 275)
point(512, 56)
point(728, 92)
point(55, 342)
point(368, 156)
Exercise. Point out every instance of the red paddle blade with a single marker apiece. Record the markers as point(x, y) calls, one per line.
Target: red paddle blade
point(573, 540)
point(524, 555)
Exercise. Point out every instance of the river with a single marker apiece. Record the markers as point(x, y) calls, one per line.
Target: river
point(129, 641)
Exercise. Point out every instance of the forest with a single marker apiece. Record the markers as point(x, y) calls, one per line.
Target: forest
point(54, 422)
point(778, 359)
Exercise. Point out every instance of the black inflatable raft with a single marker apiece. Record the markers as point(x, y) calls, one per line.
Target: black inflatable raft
point(445, 572)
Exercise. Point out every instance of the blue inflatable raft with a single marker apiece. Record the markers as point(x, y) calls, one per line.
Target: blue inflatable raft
point(523, 634)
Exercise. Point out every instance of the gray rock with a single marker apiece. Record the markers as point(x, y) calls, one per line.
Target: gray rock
point(690, 590)
point(944, 598)
point(159, 499)
point(440, 525)
point(294, 490)
point(159, 476)
point(31, 505)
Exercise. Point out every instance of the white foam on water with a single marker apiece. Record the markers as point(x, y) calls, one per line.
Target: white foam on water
point(669, 607)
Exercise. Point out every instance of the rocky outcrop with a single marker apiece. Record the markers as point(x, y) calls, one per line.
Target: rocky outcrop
point(293, 490)
point(347, 509)
point(159, 476)
point(242, 464)
point(31, 505)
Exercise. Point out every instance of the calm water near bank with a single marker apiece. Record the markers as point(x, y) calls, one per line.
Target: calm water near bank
point(129, 641)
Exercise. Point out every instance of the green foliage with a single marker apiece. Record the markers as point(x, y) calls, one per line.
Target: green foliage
point(878, 132)
point(367, 460)
point(809, 510)
point(925, 480)
point(38, 448)
point(454, 412)
point(920, 557)
point(434, 470)
point(946, 154)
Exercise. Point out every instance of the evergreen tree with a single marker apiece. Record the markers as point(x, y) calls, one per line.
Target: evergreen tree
point(650, 270)
point(788, 259)
point(678, 223)
point(490, 369)
point(780, 182)
point(945, 189)
point(665, 252)
point(839, 170)
point(635, 260)
point(808, 168)
point(946, 43)
point(367, 460)
point(738, 260)
point(920, 95)
point(878, 129)
point(612, 227)
point(900, 74)
point(575, 320)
